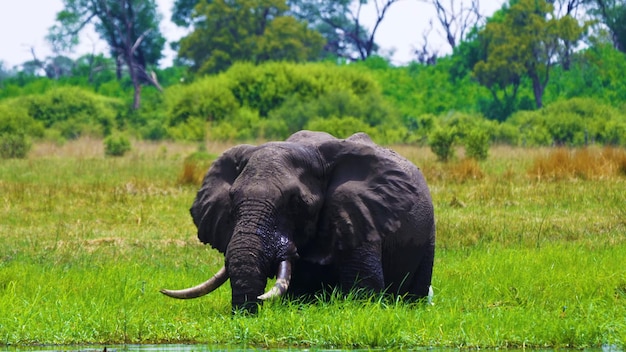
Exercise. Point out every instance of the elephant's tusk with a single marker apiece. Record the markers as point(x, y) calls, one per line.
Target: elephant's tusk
point(283, 277)
point(208, 286)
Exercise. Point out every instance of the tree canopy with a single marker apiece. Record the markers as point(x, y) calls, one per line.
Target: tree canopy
point(130, 28)
point(225, 32)
point(244, 72)
point(527, 43)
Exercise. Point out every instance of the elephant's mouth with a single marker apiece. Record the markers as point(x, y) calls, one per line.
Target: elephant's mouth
point(283, 278)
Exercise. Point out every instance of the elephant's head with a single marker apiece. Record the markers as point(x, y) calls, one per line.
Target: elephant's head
point(269, 206)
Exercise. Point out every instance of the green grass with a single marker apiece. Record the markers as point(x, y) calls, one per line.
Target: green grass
point(87, 242)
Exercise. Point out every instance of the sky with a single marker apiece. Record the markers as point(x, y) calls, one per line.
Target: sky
point(25, 23)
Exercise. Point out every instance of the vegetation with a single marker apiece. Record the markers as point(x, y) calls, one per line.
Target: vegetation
point(88, 241)
point(254, 31)
point(129, 27)
point(116, 145)
point(519, 131)
point(538, 88)
point(13, 146)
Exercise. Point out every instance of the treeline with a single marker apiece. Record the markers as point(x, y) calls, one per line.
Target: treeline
point(272, 100)
point(474, 97)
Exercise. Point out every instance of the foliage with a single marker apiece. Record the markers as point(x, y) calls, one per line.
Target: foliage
point(596, 72)
point(14, 145)
point(340, 127)
point(130, 28)
point(477, 144)
point(273, 100)
point(246, 30)
point(418, 89)
point(209, 99)
point(14, 119)
point(611, 14)
point(116, 145)
point(441, 141)
point(341, 24)
point(526, 44)
point(574, 122)
point(72, 111)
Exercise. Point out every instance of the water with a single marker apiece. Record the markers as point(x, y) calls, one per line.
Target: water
point(205, 348)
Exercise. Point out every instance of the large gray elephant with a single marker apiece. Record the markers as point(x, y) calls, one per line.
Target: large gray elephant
point(316, 212)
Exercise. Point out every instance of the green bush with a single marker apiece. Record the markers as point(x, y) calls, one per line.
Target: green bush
point(116, 145)
point(572, 122)
point(243, 126)
point(441, 141)
point(371, 109)
point(208, 99)
point(194, 129)
point(267, 86)
point(273, 100)
point(14, 146)
point(341, 127)
point(14, 119)
point(476, 144)
point(74, 111)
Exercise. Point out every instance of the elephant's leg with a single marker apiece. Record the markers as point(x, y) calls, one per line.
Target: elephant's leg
point(408, 269)
point(362, 268)
point(310, 279)
point(421, 281)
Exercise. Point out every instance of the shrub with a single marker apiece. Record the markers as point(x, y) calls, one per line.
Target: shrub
point(194, 129)
point(243, 126)
point(116, 145)
point(341, 128)
point(573, 122)
point(14, 146)
point(209, 99)
point(272, 100)
point(14, 120)
point(441, 141)
point(195, 166)
point(74, 111)
point(267, 86)
point(476, 144)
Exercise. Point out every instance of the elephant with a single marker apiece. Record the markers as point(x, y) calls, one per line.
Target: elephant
point(316, 212)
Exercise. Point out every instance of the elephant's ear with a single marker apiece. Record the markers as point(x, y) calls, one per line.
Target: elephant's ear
point(370, 189)
point(211, 210)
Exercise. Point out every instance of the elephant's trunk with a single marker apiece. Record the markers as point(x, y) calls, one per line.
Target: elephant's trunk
point(249, 258)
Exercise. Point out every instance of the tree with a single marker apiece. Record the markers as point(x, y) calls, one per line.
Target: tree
point(182, 12)
point(612, 13)
point(527, 43)
point(226, 31)
point(455, 21)
point(5, 72)
point(130, 28)
point(340, 22)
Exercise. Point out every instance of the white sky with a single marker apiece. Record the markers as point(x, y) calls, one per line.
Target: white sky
point(25, 23)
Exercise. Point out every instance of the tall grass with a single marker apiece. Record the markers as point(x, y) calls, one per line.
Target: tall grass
point(522, 261)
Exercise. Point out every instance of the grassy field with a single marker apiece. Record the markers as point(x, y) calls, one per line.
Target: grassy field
point(531, 253)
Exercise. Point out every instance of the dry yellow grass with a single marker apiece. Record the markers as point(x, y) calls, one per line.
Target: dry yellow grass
point(586, 163)
point(90, 147)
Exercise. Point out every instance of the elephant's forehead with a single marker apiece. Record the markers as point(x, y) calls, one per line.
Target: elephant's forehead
point(281, 153)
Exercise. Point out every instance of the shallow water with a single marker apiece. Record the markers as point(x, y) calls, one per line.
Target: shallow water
point(160, 348)
point(205, 348)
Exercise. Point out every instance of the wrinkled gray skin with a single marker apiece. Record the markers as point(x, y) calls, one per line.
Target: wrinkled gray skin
point(344, 213)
